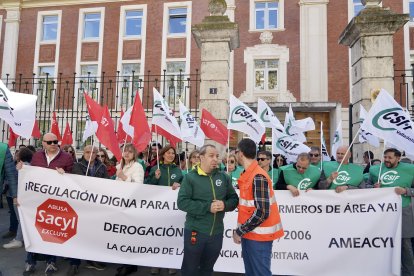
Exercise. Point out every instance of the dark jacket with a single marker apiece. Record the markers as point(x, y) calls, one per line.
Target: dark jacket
point(98, 171)
point(9, 173)
point(62, 160)
point(170, 173)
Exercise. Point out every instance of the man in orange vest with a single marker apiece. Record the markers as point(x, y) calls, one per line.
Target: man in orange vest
point(258, 220)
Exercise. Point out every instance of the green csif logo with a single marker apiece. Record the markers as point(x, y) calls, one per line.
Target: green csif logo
point(240, 115)
point(394, 116)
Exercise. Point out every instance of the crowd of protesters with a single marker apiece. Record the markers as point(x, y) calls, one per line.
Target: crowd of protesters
point(162, 165)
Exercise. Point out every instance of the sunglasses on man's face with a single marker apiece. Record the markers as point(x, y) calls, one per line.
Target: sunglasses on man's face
point(52, 142)
point(314, 154)
point(262, 159)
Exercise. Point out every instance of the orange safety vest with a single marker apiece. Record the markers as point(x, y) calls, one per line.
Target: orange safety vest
point(271, 228)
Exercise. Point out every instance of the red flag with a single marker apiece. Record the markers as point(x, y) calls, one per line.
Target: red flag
point(142, 133)
point(171, 138)
point(36, 131)
point(263, 140)
point(213, 128)
point(67, 136)
point(121, 135)
point(12, 138)
point(105, 132)
point(55, 127)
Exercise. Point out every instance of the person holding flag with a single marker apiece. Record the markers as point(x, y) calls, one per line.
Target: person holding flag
point(403, 181)
point(340, 174)
point(301, 175)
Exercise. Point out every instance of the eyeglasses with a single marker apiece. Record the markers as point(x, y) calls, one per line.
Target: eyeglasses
point(100, 155)
point(314, 154)
point(231, 161)
point(50, 142)
point(262, 159)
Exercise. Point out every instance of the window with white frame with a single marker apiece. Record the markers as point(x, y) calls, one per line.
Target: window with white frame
point(88, 82)
point(177, 20)
point(133, 22)
point(50, 27)
point(91, 25)
point(175, 81)
point(266, 15)
point(130, 83)
point(357, 6)
point(46, 88)
point(411, 10)
point(265, 73)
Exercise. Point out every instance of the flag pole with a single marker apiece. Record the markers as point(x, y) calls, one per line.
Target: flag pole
point(89, 162)
point(272, 157)
point(353, 140)
point(228, 149)
point(186, 159)
point(158, 160)
point(382, 161)
point(321, 137)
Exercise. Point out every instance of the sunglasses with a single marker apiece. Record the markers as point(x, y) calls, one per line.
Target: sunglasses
point(231, 161)
point(52, 142)
point(262, 159)
point(100, 155)
point(314, 154)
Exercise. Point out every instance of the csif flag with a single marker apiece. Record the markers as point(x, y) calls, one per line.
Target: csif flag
point(387, 120)
point(243, 119)
point(213, 128)
point(337, 139)
point(365, 134)
point(163, 117)
point(286, 145)
point(268, 117)
point(190, 131)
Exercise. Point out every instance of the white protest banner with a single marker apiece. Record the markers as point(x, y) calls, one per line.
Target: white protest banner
point(18, 110)
point(243, 119)
point(287, 146)
point(163, 117)
point(365, 135)
point(190, 130)
point(387, 120)
point(357, 232)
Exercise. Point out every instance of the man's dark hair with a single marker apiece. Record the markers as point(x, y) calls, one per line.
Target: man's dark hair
point(369, 154)
point(315, 148)
point(203, 149)
point(25, 155)
point(157, 145)
point(32, 148)
point(395, 151)
point(248, 148)
point(267, 153)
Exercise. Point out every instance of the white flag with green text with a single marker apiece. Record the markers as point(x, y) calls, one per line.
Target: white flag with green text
point(163, 117)
point(190, 130)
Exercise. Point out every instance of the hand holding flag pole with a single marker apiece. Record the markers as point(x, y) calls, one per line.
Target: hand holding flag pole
point(382, 161)
point(353, 140)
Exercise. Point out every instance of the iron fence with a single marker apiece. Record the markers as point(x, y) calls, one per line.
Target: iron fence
point(64, 96)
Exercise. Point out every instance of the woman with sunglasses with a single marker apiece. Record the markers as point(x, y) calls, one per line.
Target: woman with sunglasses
point(279, 161)
point(69, 149)
point(233, 170)
point(104, 158)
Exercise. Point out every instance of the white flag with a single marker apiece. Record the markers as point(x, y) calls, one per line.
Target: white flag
point(190, 130)
point(337, 139)
point(290, 127)
point(125, 122)
point(365, 134)
point(163, 117)
point(287, 146)
point(243, 119)
point(18, 110)
point(387, 120)
point(324, 149)
point(90, 128)
point(268, 117)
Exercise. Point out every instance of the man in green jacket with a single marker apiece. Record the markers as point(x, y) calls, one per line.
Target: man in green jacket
point(299, 176)
point(205, 195)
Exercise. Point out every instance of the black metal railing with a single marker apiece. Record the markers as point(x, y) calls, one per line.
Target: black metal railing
point(64, 95)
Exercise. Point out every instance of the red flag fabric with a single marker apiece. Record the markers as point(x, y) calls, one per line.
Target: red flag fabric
point(67, 136)
point(105, 133)
point(36, 131)
point(213, 128)
point(263, 140)
point(12, 138)
point(121, 135)
point(55, 127)
point(142, 133)
point(171, 138)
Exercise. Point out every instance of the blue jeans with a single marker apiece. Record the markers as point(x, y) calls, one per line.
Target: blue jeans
point(199, 258)
point(257, 257)
point(32, 258)
point(14, 223)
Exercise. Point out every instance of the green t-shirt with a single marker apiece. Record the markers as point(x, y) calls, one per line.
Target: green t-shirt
point(275, 176)
point(235, 175)
point(303, 181)
point(400, 176)
point(349, 174)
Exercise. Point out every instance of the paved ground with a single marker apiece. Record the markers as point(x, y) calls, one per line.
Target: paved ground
point(12, 260)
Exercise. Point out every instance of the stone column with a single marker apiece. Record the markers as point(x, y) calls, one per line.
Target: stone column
point(217, 37)
point(313, 51)
point(370, 37)
point(11, 39)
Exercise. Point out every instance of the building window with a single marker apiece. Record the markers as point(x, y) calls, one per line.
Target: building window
point(92, 22)
point(89, 82)
point(357, 6)
point(130, 84)
point(177, 21)
point(265, 71)
point(133, 23)
point(46, 87)
point(175, 81)
point(50, 27)
point(411, 9)
point(266, 15)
